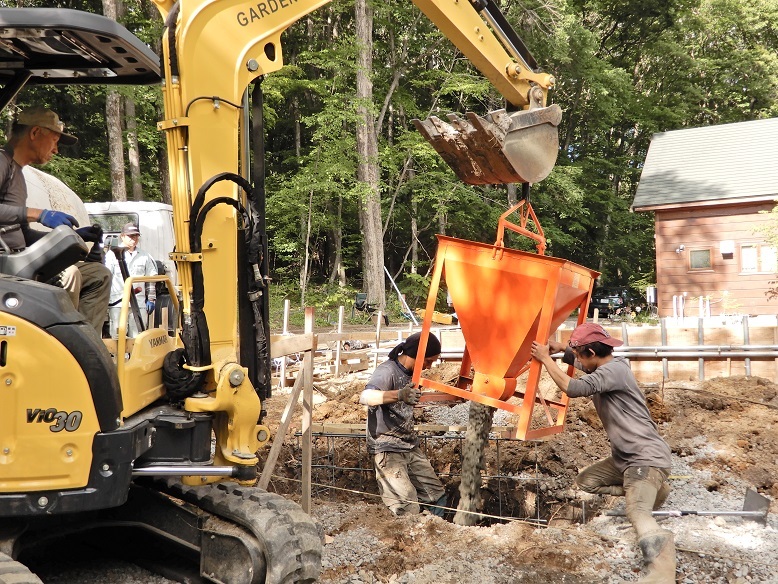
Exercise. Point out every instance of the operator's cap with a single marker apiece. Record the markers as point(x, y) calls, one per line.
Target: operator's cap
point(590, 332)
point(45, 118)
point(130, 229)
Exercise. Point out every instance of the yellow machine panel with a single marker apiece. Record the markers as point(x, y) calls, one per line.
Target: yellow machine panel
point(140, 376)
point(48, 420)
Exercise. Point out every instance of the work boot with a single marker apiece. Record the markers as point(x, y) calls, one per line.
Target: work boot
point(658, 549)
point(661, 495)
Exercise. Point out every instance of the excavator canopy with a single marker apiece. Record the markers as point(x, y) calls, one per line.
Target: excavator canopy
point(52, 46)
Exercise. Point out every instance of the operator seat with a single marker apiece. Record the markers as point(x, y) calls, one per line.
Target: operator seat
point(44, 259)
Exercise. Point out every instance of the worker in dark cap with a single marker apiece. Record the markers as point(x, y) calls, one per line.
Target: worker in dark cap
point(639, 464)
point(138, 263)
point(405, 476)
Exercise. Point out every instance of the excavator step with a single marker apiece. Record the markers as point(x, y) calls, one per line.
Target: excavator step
point(499, 148)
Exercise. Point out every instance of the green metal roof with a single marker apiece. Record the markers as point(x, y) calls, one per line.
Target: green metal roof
point(715, 164)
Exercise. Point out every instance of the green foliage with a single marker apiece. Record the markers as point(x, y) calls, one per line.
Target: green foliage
point(416, 289)
point(624, 71)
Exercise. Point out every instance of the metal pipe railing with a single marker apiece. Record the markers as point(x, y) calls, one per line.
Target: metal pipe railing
point(668, 352)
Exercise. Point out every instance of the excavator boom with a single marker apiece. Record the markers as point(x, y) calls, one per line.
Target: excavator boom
point(205, 99)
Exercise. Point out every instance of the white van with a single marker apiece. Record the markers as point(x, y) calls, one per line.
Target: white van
point(154, 220)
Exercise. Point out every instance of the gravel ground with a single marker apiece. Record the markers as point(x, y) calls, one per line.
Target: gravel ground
point(711, 550)
point(720, 448)
point(366, 545)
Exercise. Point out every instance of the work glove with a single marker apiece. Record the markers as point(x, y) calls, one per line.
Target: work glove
point(52, 219)
point(93, 233)
point(95, 254)
point(150, 306)
point(409, 394)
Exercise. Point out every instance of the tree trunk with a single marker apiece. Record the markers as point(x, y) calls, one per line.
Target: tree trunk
point(512, 194)
point(338, 271)
point(297, 129)
point(367, 150)
point(305, 271)
point(113, 121)
point(161, 153)
point(414, 226)
point(132, 149)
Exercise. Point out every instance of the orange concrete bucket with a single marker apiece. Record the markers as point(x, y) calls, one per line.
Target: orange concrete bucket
point(505, 299)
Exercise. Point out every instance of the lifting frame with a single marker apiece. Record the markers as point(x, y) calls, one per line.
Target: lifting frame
point(505, 299)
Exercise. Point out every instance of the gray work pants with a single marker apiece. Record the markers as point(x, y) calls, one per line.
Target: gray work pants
point(641, 485)
point(405, 479)
point(89, 284)
point(645, 489)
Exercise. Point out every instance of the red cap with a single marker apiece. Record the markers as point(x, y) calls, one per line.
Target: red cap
point(590, 332)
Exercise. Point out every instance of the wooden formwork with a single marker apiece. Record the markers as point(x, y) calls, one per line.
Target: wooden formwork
point(697, 365)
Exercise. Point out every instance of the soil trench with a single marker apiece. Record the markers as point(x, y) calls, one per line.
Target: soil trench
point(722, 433)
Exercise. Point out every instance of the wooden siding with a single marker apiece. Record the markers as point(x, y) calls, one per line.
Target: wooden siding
point(699, 228)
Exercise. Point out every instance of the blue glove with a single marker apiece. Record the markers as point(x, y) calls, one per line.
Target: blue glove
point(149, 306)
point(52, 219)
point(93, 233)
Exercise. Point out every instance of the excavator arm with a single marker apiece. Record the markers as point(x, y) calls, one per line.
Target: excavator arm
point(212, 51)
point(88, 436)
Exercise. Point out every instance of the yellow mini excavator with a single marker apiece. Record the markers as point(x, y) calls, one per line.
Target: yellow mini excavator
point(160, 436)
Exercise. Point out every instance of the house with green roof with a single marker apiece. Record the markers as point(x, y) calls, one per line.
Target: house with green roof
point(711, 190)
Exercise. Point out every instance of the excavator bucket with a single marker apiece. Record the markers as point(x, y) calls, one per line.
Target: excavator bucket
point(505, 299)
point(499, 148)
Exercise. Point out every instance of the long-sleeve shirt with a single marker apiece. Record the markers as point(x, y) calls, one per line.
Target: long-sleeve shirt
point(139, 263)
point(633, 434)
point(13, 203)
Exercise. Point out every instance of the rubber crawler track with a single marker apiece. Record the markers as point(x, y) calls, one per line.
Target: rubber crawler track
point(12, 572)
point(292, 541)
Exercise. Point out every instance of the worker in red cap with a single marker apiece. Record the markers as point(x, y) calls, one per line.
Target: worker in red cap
point(639, 464)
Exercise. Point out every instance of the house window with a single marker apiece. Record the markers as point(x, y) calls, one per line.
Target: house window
point(757, 258)
point(700, 259)
point(749, 258)
point(768, 258)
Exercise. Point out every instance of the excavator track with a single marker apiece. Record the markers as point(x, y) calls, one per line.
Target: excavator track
point(223, 533)
point(12, 572)
point(291, 541)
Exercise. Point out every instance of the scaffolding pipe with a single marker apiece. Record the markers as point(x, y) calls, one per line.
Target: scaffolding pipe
point(701, 340)
point(766, 352)
point(402, 298)
point(746, 340)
